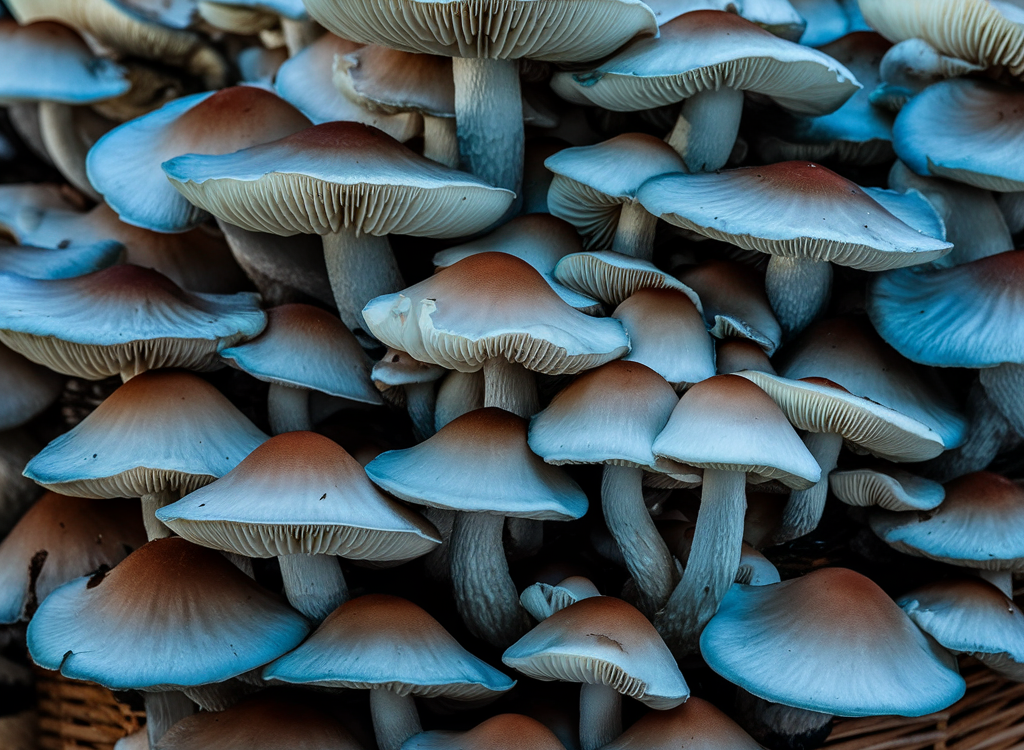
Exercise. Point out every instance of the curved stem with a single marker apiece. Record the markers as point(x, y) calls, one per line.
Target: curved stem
point(600, 716)
point(313, 584)
point(510, 386)
point(489, 117)
point(1004, 385)
point(150, 505)
point(645, 552)
point(525, 537)
point(64, 145)
point(395, 718)
point(634, 234)
point(485, 595)
point(713, 562)
point(164, 710)
point(713, 120)
point(420, 399)
point(803, 510)
point(441, 141)
point(798, 290)
point(288, 409)
point(360, 268)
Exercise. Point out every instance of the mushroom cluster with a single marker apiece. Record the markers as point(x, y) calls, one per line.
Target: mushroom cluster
point(434, 375)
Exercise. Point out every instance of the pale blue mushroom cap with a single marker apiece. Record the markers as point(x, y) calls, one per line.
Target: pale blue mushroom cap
point(50, 263)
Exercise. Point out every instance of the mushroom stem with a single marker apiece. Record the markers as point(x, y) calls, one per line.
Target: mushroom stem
point(645, 552)
point(299, 34)
point(420, 399)
point(288, 409)
point(707, 128)
point(360, 267)
point(634, 234)
point(1001, 579)
point(510, 386)
point(164, 710)
point(600, 715)
point(485, 595)
point(437, 562)
point(395, 718)
point(1004, 385)
point(151, 503)
point(64, 145)
point(803, 510)
point(798, 291)
point(440, 140)
point(489, 115)
point(713, 562)
point(313, 584)
point(458, 394)
point(525, 537)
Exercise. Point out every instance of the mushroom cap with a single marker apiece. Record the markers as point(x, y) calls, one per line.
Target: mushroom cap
point(602, 641)
point(124, 165)
point(892, 489)
point(980, 524)
point(914, 210)
point(390, 81)
point(489, 305)
point(123, 319)
point(554, 30)
point(333, 176)
point(667, 333)
point(49, 62)
point(609, 415)
point(51, 263)
point(970, 615)
point(397, 368)
point(831, 641)
point(305, 80)
point(591, 183)
point(792, 209)
point(696, 723)
point(734, 355)
point(944, 318)
point(306, 347)
point(162, 430)
point(480, 462)
point(502, 732)
point(387, 643)
point(544, 599)
point(909, 67)
point(300, 492)
point(705, 50)
point(61, 538)
point(260, 723)
point(980, 139)
point(27, 389)
point(979, 31)
point(819, 405)
point(613, 277)
point(170, 615)
point(728, 423)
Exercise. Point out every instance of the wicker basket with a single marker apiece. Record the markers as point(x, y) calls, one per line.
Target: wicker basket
point(77, 715)
point(989, 717)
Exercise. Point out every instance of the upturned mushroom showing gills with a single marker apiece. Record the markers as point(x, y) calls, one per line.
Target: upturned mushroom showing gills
point(351, 184)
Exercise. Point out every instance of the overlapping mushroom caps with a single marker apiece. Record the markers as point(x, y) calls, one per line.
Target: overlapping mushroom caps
point(909, 67)
point(707, 59)
point(804, 215)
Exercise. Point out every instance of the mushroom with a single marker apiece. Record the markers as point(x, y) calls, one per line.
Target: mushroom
point(695, 723)
point(401, 378)
point(734, 355)
point(909, 67)
point(501, 732)
point(544, 599)
point(889, 488)
point(51, 263)
point(614, 277)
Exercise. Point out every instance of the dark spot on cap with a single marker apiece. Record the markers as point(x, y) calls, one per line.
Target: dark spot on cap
point(35, 567)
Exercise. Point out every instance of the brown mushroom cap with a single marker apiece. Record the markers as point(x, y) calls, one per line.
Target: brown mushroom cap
point(696, 723)
point(502, 732)
point(390, 81)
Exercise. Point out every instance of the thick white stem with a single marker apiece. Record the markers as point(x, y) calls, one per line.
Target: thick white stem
point(803, 510)
point(489, 116)
point(987, 429)
point(634, 234)
point(645, 552)
point(485, 595)
point(395, 718)
point(1001, 579)
point(313, 584)
point(360, 268)
point(713, 121)
point(164, 710)
point(65, 146)
point(713, 562)
point(441, 141)
point(150, 505)
point(288, 409)
point(798, 290)
point(1005, 387)
point(420, 399)
point(510, 386)
point(600, 716)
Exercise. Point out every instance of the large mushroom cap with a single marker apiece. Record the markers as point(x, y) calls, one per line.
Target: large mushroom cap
point(480, 462)
point(502, 732)
point(489, 305)
point(299, 492)
point(337, 175)
point(171, 615)
point(791, 209)
point(603, 641)
point(161, 430)
point(555, 30)
point(383, 642)
point(123, 319)
point(832, 642)
point(696, 723)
